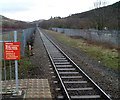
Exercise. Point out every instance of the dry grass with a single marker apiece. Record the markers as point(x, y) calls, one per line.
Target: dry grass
point(107, 56)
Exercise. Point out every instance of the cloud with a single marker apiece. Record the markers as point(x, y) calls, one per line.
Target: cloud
point(13, 9)
point(13, 6)
point(44, 9)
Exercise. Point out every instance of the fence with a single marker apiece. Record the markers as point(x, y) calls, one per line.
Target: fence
point(104, 36)
point(8, 73)
point(23, 36)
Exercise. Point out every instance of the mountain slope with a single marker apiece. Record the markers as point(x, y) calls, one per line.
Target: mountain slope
point(8, 23)
point(97, 18)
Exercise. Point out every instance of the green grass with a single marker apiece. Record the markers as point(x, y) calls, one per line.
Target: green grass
point(105, 55)
point(24, 65)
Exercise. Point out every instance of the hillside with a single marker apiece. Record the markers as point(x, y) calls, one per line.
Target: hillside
point(97, 18)
point(8, 23)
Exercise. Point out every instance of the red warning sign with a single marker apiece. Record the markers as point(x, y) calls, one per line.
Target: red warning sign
point(11, 50)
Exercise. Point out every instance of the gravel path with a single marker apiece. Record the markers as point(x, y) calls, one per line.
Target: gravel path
point(40, 62)
point(106, 78)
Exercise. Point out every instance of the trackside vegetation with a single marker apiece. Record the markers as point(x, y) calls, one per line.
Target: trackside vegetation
point(24, 65)
point(109, 57)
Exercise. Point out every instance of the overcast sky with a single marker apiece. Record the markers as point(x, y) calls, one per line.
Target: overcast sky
point(30, 10)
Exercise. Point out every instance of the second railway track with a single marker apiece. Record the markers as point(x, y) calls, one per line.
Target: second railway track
point(75, 83)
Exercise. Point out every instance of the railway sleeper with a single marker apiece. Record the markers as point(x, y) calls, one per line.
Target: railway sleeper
point(68, 69)
point(76, 89)
point(75, 82)
point(62, 63)
point(85, 97)
point(82, 97)
point(64, 66)
point(58, 58)
point(71, 77)
point(79, 89)
point(68, 72)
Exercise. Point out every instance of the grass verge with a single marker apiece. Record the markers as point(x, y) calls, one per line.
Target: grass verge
point(109, 57)
point(24, 64)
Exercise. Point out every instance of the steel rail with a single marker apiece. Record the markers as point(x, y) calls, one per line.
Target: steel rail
point(55, 68)
point(100, 89)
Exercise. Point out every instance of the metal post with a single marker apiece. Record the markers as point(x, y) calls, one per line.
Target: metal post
point(1, 55)
point(16, 64)
point(5, 75)
point(10, 75)
point(23, 52)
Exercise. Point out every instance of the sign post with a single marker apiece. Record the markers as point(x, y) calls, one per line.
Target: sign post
point(16, 64)
point(12, 52)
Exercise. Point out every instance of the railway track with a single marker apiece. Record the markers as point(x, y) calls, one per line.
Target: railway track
point(75, 83)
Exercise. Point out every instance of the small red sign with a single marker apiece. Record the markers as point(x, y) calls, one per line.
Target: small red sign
point(11, 50)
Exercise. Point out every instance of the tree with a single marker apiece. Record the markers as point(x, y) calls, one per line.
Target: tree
point(99, 15)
